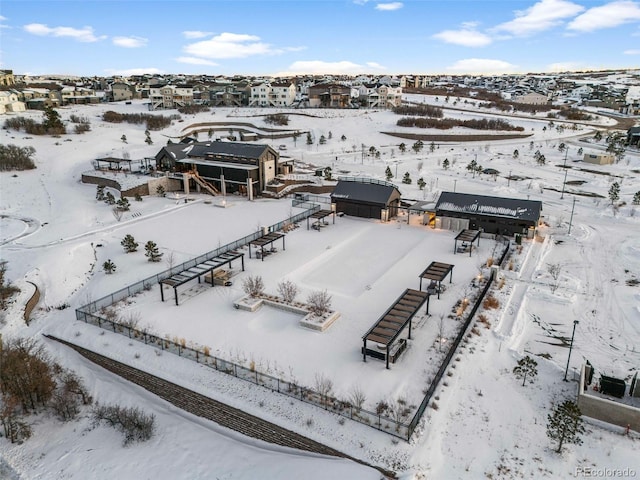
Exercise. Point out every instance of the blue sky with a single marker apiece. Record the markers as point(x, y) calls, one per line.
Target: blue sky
point(272, 37)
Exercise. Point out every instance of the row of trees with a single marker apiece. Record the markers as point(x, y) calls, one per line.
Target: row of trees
point(130, 245)
point(153, 122)
point(31, 382)
point(13, 157)
point(51, 124)
point(447, 123)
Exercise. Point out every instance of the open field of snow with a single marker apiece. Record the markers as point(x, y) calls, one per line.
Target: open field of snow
point(484, 424)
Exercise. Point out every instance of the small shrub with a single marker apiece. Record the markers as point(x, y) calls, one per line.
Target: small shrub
point(133, 423)
point(434, 405)
point(491, 302)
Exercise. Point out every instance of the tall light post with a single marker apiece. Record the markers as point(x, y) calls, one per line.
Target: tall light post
point(566, 370)
point(566, 152)
point(571, 219)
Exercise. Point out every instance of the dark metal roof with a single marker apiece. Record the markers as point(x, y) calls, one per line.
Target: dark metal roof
point(202, 149)
point(364, 192)
point(468, 235)
point(397, 317)
point(437, 271)
point(451, 202)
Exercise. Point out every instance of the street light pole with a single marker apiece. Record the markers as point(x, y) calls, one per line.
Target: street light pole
point(575, 322)
point(566, 152)
point(571, 219)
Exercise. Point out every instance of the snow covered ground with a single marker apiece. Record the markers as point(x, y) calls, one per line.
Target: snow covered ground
point(484, 424)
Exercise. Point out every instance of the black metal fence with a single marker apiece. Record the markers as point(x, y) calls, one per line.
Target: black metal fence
point(149, 282)
point(452, 350)
point(396, 427)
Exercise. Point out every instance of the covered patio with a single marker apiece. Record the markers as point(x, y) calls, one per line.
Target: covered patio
point(467, 237)
point(391, 324)
point(266, 239)
point(198, 271)
point(436, 272)
point(318, 218)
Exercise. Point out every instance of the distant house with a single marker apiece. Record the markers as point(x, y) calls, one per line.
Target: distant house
point(9, 102)
point(498, 215)
point(366, 197)
point(170, 96)
point(599, 158)
point(532, 98)
point(329, 95)
point(239, 164)
point(275, 94)
point(122, 91)
point(633, 136)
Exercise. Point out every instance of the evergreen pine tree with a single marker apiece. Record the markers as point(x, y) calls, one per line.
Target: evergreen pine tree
point(123, 138)
point(526, 368)
point(322, 140)
point(407, 178)
point(402, 147)
point(421, 183)
point(52, 122)
point(388, 173)
point(100, 193)
point(309, 139)
point(123, 204)
point(445, 164)
point(109, 267)
point(151, 252)
point(110, 199)
point(565, 424)
point(614, 192)
point(129, 243)
point(636, 198)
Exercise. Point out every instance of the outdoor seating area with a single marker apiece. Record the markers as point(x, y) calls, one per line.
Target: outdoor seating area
point(436, 272)
point(467, 238)
point(391, 324)
point(266, 240)
point(199, 270)
point(318, 219)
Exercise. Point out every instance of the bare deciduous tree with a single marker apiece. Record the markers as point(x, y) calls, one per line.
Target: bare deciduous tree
point(324, 386)
point(554, 270)
point(287, 290)
point(319, 302)
point(357, 396)
point(253, 285)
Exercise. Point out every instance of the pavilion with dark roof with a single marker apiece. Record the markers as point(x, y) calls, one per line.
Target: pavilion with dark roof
point(366, 198)
point(498, 215)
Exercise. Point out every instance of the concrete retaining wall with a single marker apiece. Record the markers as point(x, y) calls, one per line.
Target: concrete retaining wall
point(607, 410)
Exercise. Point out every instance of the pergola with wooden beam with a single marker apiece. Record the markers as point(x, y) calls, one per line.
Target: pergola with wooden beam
point(266, 239)
point(320, 215)
point(198, 271)
point(467, 237)
point(392, 323)
point(437, 272)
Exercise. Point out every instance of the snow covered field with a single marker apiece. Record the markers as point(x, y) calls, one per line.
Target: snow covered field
point(485, 424)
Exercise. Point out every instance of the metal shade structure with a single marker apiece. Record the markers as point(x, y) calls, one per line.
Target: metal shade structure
point(391, 324)
point(321, 215)
point(436, 272)
point(199, 270)
point(266, 239)
point(467, 236)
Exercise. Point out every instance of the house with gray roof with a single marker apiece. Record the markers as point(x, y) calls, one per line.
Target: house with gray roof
point(366, 197)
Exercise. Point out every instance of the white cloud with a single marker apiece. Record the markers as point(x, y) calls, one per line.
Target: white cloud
point(191, 34)
point(134, 71)
point(130, 42)
point(376, 66)
point(230, 45)
point(541, 16)
point(481, 65)
point(84, 34)
point(566, 67)
point(196, 61)
point(632, 52)
point(467, 37)
point(606, 16)
point(389, 7)
point(321, 67)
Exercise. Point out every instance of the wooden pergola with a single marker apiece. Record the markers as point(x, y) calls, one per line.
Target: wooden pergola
point(320, 215)
point(198, 271)
point(467, 237)
point(266, 239)
point(437, 272)
point(391, 324)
